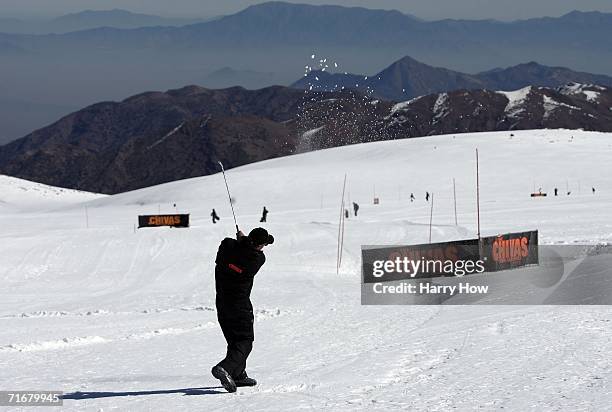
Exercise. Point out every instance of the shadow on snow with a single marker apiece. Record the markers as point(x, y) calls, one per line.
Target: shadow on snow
point(186, 391)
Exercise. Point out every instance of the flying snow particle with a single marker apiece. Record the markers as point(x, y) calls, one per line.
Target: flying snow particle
point(312, 57)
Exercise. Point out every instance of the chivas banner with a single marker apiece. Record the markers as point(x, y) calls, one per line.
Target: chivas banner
point(163, 220)
point(383, 264)
point(510, 251)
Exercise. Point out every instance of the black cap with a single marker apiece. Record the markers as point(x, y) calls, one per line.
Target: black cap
point(260, 236)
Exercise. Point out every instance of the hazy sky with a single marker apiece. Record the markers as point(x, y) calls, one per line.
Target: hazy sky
point(427, 9)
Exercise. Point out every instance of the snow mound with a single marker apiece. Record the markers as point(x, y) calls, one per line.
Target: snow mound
point(23, 194)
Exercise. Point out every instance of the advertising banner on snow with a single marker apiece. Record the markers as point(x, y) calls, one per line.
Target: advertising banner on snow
point(163, 220)
point(385, 264)
point(510, 251)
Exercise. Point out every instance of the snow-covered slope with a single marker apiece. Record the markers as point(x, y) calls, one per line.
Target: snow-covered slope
point(126, 318)
point(21, 194)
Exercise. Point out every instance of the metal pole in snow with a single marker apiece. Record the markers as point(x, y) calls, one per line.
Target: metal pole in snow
point(478, 195)
point(455, 199)
point(339, 249)
point(431, 216)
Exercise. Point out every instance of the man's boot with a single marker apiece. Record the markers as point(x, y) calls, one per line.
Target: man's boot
point(226, 379)
point(244, 380)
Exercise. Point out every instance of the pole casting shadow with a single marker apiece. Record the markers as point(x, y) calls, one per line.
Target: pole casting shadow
point(186, 391)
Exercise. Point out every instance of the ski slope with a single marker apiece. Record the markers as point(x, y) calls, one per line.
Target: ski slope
point(124, 319)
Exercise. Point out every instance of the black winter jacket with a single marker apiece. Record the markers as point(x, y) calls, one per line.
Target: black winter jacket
point(237, 264)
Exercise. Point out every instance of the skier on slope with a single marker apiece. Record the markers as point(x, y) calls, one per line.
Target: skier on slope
point(214, 216)
point(355, 208)
point(264, 215)
point(237, 262)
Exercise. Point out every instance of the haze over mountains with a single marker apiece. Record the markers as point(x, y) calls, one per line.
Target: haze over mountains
point(90, 19)
point(276, 40)
point(159, 137)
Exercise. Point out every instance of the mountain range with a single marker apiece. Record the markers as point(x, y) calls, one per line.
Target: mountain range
point(278, 24)
point(90, 19)
point(269, 44)
point(158, 137)
point(408, 78)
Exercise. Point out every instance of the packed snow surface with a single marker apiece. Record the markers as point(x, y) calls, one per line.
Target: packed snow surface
point(124, 319)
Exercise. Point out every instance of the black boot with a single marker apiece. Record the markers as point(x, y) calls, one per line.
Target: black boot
point(244, 380)
point(226, 379)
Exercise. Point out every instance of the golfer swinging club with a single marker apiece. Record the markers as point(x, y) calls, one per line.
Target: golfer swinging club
point(238, 261)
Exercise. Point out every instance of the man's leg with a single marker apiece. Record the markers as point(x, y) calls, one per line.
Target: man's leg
point(237, 354)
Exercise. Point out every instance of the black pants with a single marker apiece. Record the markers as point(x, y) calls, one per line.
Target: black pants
point(238, 334)
point(236, 357)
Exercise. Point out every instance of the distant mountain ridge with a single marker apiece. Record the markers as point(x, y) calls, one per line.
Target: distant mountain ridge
point(408, 78)
point(157, 137)
point(289, 24)
point(89, 19)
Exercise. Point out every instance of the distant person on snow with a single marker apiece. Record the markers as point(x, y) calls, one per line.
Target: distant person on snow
point(556, 192)
point(427, 196)
point(237, 263)
point(412, 197)
point(593, 189)
point(264, 215)
point(214, 216)
point(355, 208)
point(346, 213)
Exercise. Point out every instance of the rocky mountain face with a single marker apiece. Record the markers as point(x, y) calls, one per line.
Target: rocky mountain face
point(158, 137)
point(408, 78)
point(573, 106)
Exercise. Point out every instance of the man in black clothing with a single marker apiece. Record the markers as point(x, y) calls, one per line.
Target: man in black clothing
point(237, 263)
point(214, 216)
point(355, 208)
